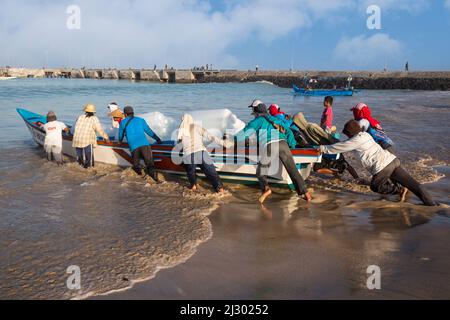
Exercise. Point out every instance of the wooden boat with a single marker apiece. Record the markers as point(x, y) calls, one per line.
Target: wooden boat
point(236, 164)
point(322, 92)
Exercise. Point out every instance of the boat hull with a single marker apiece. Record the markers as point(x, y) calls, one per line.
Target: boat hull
point(234, 164)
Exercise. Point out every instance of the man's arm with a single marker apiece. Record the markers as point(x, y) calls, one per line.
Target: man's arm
point(341, 147)
point(150, 132)
point(290, 138)
point(64, 127)
point(99, 129)
point(251, 128)
point(121, 131)
point(220, 142)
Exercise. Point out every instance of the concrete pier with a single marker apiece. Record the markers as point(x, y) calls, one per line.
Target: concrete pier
point(110, 74)
point(150, 75)
point(361, 79)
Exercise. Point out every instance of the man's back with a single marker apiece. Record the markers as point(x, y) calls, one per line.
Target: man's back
point(134, 130)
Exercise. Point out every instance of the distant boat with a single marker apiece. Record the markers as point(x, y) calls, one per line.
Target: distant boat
point(322, 92)
point(7, 78)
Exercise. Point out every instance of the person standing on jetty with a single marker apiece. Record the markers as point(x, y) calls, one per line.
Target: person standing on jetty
point(276, 140)
point(85, 136)
point(135, 130)
point(191, 136)
point(53, 138)
point(388, 176)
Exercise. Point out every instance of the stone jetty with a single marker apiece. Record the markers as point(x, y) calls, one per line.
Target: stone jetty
point(420, 80)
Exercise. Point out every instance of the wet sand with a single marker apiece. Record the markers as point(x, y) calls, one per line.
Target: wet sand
point(293, 250)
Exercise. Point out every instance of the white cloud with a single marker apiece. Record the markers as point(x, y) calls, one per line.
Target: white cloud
point(138, 33)
point(363, 50)
point(182, 33)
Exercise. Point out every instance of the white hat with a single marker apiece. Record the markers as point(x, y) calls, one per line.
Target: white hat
point(255, 103)
point(113, 107)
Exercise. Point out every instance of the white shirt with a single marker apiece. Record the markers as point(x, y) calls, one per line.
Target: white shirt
point(373, 157)
point(53, 133)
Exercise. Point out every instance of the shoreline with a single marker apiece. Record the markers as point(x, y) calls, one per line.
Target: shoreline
point(376, 80)
point(194, 248)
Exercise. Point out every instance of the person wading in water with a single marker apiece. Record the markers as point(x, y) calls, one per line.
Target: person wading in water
point(135, 130)
point(85, 136)
point(276, 141)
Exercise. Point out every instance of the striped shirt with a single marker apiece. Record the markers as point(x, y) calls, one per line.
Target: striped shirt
point(86, 129)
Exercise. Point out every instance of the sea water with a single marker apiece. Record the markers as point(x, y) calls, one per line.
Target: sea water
point(119, 228)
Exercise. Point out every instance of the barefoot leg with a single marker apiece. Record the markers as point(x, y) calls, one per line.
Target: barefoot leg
point(403, 194)
point(264, 195)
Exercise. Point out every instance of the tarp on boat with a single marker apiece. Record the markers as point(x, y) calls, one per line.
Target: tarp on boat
point(216, 121)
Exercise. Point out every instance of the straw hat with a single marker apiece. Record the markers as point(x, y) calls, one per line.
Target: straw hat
point(116, 114)
point(89, 108)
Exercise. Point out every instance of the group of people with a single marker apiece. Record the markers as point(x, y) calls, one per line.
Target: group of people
point(366, 137)
point(278, 133)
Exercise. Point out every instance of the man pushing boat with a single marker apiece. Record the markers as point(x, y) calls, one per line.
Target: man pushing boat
point(276, 140)
point(135, 130)
point(388, 176)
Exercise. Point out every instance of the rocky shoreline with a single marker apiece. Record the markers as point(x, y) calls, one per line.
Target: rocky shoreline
point(435, 80)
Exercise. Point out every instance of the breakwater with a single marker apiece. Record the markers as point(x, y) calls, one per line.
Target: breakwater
point(423, 80)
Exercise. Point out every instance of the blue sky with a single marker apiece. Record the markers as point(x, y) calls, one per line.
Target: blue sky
point(303, 34)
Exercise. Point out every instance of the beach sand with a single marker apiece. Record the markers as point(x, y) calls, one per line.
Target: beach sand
point(293, 250)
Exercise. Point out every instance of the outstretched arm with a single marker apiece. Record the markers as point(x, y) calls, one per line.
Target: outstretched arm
point(341, 147)
point(251, 128)
point(290, 138)
point(99, 129)
point(210, 137)
point(121, 131)
point(150, 132)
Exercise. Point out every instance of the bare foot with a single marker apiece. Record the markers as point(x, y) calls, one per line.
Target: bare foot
point(403, 194)
point(193, 188)
point(221, 190)
point(307, 196)
point(264, 195)
point(326, 171)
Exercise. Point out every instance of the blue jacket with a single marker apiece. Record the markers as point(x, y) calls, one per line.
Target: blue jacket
point(287, 122)
point(265, 129)
point(379, 136)
point(135, 132)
